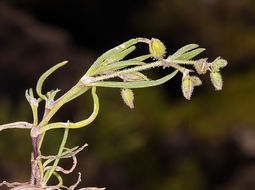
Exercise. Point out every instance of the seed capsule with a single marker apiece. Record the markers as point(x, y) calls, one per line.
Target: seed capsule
point(201, 66)
point(187, 86)
point(216, 80)
point(157, 48)
point(128, 97)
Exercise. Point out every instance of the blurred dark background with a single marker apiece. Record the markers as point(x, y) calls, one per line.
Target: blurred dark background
point(166, 142)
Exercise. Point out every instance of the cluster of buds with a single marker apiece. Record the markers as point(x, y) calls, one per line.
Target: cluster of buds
point(202, 66)
point(157, 50)
point(215, 67)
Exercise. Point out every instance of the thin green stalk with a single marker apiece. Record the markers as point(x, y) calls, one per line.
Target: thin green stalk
point(77, 124)
point(35, 116)
point(187, 62)
point(63, 154)
point(60, 180)
point(65, 98)
point(52, 169)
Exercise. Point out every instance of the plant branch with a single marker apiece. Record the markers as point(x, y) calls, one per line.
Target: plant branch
point(17, 125)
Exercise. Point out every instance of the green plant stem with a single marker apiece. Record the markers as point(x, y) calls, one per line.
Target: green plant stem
point(77, 124)
point(35, 116)
point(52, 169)
point(48, 161)
point(140, 68)
point(60, 102)
point(60, 180)
point(186, 62)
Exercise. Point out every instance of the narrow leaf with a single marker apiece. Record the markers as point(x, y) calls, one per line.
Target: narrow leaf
point(121, 65)
point(119, 56)
point(52, 169)
point(189, 55)
point(141, 58)
point(44, 76)
point(139, 84)
point(63, 154)
point(109, 54)
point(182, 50)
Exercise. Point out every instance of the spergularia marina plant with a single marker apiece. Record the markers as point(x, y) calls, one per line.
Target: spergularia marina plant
point(112, 64)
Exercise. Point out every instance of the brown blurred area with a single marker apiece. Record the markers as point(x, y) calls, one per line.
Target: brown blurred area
point(166, 142)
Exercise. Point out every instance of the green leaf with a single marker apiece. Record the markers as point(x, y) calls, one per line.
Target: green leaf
point(52, 94)
point(109, 54)
point(139, 84)
point(44, 76)
point(141, 58)
point(119, 56)
point(60, 151)
point(189, 55)
point(121, 65)
point(182, 50)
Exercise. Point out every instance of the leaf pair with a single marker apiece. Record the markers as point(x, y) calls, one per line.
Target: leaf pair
point(111, 56)
point(186, 53)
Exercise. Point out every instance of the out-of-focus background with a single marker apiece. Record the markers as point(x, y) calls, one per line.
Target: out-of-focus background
point(166, 142)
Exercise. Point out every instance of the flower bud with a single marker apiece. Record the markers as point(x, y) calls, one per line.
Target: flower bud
point(218, 63)
point(201, 66)
point(157, 48)
point(216, 80)
point(187, 86)
point(128, 97)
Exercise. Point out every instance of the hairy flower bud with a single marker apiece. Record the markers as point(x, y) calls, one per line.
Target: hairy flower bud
point(216, 80)
point(157, 48)
point(187, 86)
point(217, 64)
point(201, 66)
point(128, 97)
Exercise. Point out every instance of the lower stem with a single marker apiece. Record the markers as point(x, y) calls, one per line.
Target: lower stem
point(34, 143)
point(34, 157)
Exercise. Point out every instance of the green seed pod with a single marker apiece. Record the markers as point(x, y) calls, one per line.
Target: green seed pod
point(128, 97)
point(157, 48)
point(201, 66)
point(216, 80)
point(187, 86)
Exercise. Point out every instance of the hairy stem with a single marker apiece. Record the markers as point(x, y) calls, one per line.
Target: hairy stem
point(140, 68)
